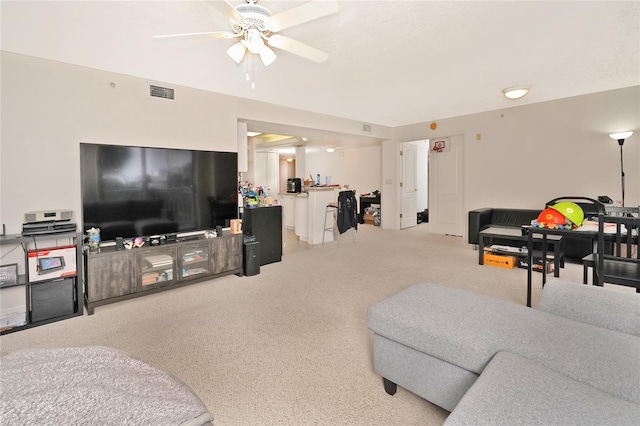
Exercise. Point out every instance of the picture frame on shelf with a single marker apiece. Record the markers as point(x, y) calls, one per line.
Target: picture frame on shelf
point(8, 275)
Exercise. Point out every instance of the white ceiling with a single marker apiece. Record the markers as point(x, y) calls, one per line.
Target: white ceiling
point(391, 63)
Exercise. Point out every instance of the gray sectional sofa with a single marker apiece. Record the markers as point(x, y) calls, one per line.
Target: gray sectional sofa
point(573, 360)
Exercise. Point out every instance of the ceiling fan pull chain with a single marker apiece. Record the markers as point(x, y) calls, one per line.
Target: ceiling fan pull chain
point(253, 81)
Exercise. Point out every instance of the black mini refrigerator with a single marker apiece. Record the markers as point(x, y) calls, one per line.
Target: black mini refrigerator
point(265, 224)
point(251, 257)
point(51, 299)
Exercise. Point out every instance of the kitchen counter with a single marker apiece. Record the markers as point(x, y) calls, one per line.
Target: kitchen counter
point(308, 210)
point(319, 197)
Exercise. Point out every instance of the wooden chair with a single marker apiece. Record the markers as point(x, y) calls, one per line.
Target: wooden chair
point(622, 265)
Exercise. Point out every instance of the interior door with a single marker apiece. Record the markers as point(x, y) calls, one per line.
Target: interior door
point(446, 214)
point(409, 184)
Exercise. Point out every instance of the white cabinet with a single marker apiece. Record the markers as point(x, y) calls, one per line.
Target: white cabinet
point(302, 217)
point(289, 210)
point(267, 171)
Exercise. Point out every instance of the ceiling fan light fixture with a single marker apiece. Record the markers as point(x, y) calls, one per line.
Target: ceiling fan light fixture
point(515, 92)
point(267, 56)
point(253, 41)
point(237, 52)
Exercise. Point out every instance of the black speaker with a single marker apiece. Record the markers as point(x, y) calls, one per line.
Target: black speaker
point(251, 258)
point(119, 243)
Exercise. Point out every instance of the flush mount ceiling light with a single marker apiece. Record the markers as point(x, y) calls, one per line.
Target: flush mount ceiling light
point(331, 149)
point(515, 92)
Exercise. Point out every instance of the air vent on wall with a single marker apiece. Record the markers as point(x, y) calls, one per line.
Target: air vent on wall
point(161, 92)
point(366, 128)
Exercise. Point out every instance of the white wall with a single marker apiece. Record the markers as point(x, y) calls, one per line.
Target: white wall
point(359, 168)
point(531, 154)
point(48, 108)
point(526, 155)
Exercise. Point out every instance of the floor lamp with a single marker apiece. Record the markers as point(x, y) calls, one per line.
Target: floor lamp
point(620, 137)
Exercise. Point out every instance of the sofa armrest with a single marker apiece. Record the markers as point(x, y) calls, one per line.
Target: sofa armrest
point(478, 220)
point(599, 306)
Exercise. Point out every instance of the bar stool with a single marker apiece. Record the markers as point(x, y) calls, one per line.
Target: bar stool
point(333, 209)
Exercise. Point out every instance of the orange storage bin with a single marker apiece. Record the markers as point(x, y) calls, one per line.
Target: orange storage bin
point(500, 261)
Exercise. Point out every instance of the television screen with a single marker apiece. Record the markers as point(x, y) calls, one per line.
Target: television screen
point(135, 191)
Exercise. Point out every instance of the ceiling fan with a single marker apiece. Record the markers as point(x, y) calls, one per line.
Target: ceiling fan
point(258, 30)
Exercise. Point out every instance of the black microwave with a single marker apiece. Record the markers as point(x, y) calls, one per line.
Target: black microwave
point(294, 185)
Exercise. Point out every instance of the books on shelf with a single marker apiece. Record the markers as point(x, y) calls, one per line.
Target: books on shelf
point(150, 278)
point(156, 277)
point(194, 256)
point(194, 271)
point(159, 260)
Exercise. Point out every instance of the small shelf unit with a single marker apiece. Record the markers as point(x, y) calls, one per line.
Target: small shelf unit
point(47, 297)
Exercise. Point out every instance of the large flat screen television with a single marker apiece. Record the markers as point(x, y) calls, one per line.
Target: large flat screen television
point(130, 191)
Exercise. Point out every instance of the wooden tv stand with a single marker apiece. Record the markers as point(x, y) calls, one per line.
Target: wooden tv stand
point(112, 276)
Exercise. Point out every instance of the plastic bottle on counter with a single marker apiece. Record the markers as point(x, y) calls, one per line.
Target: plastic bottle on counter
point(318, 179)
point(328, 179)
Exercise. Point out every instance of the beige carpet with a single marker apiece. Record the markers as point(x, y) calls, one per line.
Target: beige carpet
point(290, 346)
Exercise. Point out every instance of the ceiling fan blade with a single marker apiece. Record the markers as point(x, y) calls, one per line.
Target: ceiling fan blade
point(196, 36)
point(224, 8)
point(297, 48)
point(304, 13)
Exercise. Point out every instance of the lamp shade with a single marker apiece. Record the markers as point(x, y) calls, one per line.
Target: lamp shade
point(237, 52)
point(267, 56)
point(621, 135)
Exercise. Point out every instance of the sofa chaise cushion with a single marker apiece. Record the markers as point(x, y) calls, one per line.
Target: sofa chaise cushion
point(514, 390)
